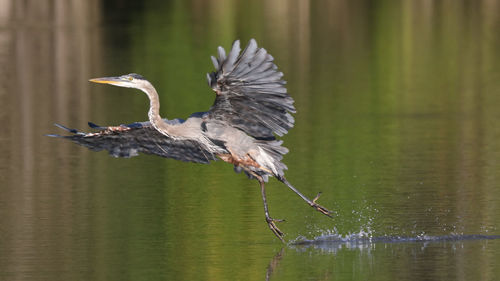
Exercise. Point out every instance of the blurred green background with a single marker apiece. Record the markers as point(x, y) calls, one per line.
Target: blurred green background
point(397, 124)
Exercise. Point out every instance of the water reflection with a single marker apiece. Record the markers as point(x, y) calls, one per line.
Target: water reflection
point(418, 258)
point(45, 52)
point(274, 263)
point(433, 260)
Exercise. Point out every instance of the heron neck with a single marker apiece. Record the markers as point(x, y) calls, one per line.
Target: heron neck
point(154, 112)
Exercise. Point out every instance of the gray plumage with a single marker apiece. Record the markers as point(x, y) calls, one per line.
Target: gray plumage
point(129, 140)
point(251, 95)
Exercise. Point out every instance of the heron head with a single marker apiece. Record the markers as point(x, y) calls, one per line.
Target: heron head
point(132, 80)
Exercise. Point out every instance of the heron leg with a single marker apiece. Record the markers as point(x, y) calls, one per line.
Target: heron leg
point(311, 203)
point(270, 221)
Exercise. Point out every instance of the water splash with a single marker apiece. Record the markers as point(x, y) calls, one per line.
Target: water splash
point(371, 231)
point(367, 238)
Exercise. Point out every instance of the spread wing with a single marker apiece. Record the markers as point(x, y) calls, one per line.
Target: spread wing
point(130, 140)
point(250, 94)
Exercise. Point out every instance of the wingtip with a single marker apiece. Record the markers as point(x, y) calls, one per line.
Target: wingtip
point(215, 62)
point(236, 44)
point(222, 54)
point(66, 128)
point(53, 136)
point(73, 131)
point(95, 126)
point(209, 80)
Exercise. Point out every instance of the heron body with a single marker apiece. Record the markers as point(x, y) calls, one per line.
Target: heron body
point(251, 108)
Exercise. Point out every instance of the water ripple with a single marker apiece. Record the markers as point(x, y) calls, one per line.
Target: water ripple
point(364, 238)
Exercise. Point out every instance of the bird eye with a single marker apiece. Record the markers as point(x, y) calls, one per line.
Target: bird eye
point(130, 78)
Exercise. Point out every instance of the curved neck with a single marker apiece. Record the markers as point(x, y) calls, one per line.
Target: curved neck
point(154, 111)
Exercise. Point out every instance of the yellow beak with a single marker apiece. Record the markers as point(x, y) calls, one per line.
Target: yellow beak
point(108, 80)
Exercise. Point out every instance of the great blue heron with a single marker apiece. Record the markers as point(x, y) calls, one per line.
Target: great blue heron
point(251, 107)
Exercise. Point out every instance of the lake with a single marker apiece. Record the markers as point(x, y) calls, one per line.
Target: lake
point(397, 125)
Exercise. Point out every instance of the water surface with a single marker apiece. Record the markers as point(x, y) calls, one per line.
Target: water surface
point(397, 124)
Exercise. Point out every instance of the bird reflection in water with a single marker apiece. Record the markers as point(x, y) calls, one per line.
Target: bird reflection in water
point(274, 263)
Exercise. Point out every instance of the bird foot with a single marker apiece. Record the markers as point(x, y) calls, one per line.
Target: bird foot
point(320, 208)
point(274, 228)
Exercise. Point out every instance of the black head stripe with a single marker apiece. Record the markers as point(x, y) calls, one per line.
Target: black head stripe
point(137, 76)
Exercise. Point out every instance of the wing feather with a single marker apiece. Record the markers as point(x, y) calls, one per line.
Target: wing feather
point(140, 137)
point(250, 91)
